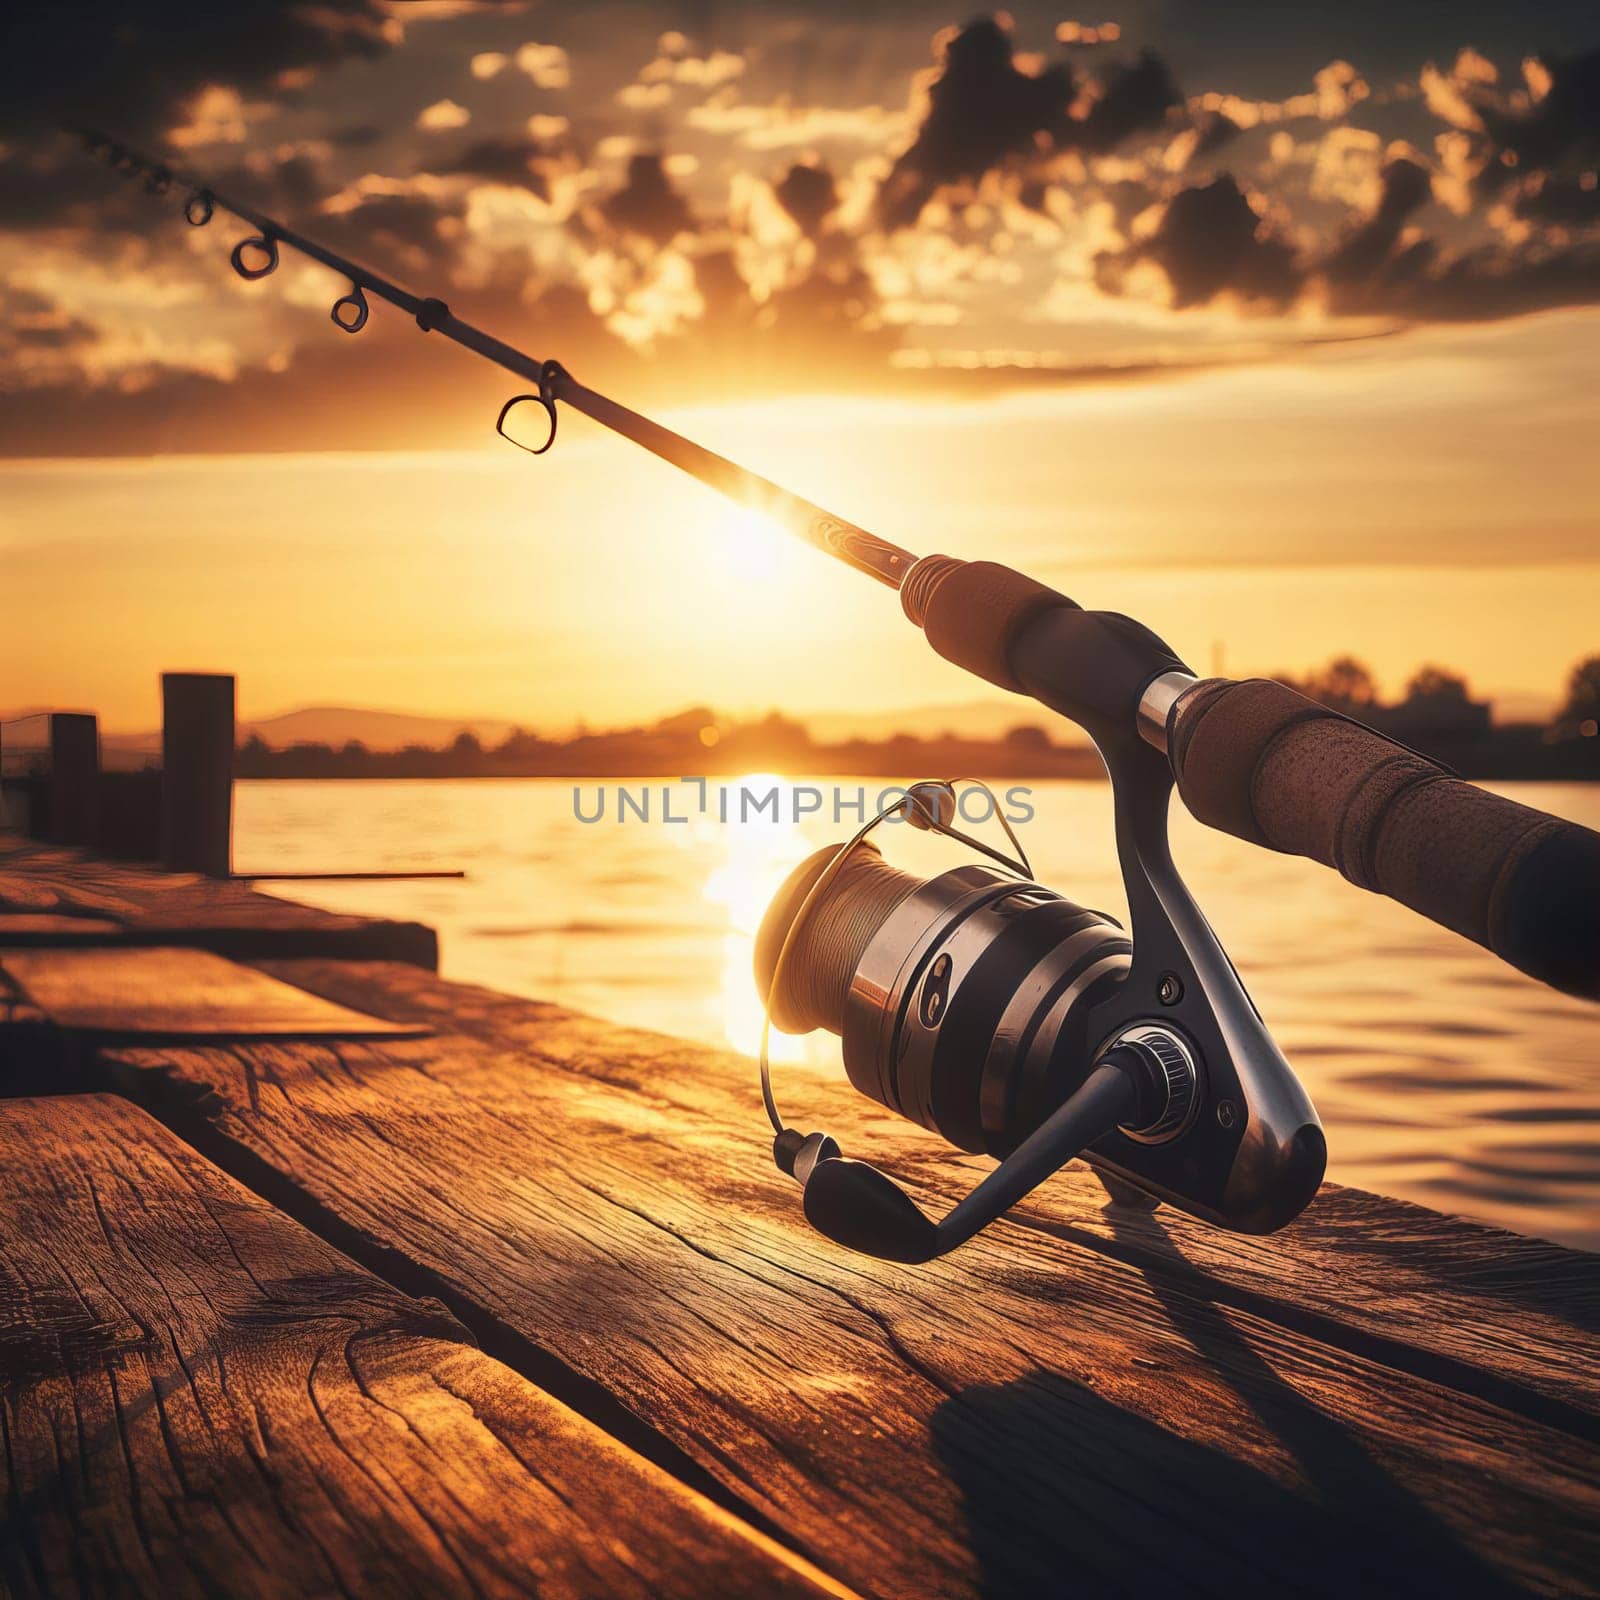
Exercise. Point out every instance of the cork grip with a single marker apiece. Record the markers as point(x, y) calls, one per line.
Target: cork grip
point(1257, 760)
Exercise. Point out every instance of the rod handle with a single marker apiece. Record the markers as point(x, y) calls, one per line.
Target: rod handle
point(1258, 760)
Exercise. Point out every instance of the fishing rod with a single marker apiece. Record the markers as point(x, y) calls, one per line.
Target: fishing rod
point(990, 1008)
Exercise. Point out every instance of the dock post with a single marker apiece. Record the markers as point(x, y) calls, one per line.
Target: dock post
point(197, 772)
point(74, 817)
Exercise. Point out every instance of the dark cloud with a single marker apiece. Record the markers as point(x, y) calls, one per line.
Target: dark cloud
point(1561, 129)
point(356, 136)
point(1368, 247)
point(128, 68)
point(390, 387)
point(291, 186)
point(41, 185)
point(518, 163)
point(983, 109)
point(1215, 130)
point(1210, 241)
point(1484, 285)
point(414, 230)
point(1371, 273)
point(647, 205)
point(809, 194)
point(31, 321)
point(1566, 202)
point(1134, 100)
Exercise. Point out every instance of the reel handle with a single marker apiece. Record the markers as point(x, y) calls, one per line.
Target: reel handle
point(863, 1209)
point(1258, 760)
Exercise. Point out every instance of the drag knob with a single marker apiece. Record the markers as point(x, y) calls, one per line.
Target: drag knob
point(1172, 1066)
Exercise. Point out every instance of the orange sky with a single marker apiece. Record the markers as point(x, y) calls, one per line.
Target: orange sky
point(1278, 334)
point(1427, 498)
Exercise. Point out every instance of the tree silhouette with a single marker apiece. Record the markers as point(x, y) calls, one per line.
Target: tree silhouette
point(1343, 682)
point(1436, 683)
point(1579, 716)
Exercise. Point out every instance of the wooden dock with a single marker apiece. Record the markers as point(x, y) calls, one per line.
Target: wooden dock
point(320, 1274)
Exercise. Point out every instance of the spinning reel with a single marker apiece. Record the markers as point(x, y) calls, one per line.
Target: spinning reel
point(1016, 1024)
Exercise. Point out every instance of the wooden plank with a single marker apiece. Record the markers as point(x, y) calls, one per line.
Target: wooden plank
point(1422, 1290)
point(202, 1398)
point(1036, 1413)
point(42, 927)
point(223, 915)
point(173, 992)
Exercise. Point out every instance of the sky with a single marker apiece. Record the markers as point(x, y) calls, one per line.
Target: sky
point(1273, 326)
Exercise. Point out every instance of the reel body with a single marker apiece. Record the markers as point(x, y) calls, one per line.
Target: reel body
point(985, 1006)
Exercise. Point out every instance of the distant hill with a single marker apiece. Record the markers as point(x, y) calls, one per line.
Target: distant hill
point(377, 730)
point(338, 725)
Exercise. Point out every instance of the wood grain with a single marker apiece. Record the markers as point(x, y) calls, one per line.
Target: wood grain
point(202, 1398)
point(171, 991)
point(1076, 1401)
point(225, 915)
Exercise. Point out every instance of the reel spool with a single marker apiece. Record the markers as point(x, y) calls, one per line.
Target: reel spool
point(1004, 1017)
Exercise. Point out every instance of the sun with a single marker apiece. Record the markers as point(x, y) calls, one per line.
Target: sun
point(751, 546)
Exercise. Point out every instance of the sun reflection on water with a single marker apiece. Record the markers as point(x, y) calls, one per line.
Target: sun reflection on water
point(752, 857)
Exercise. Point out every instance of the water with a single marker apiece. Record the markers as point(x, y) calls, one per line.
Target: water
point(1441, 1075)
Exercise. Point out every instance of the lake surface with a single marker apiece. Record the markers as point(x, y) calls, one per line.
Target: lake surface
point(1441, 1075)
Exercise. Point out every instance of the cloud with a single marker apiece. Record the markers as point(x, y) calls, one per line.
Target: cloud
point(35, 331)
point(1210, 241)
point(677, 64)
point(1568, 202)
point(215, 116)
point(409, 226)
point(981, 108)
point(442, 115)
point(647, 205)
point(986, 105)
point(809, 194)
point(546, 64)
point(766, 242)
point(1134, 99)
point(1487, 285)
point(128, 68)
point(1561, 127)
point(186, 70)
point(781, 124)
point(1406, 188)
point(1082, 33)
point(517, 163)
point(1509, 134)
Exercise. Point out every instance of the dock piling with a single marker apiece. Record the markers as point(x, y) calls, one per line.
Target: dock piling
point(74, 815)
point(197, 727)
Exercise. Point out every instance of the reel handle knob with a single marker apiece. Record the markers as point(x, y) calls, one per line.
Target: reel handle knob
point(861, 1208)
